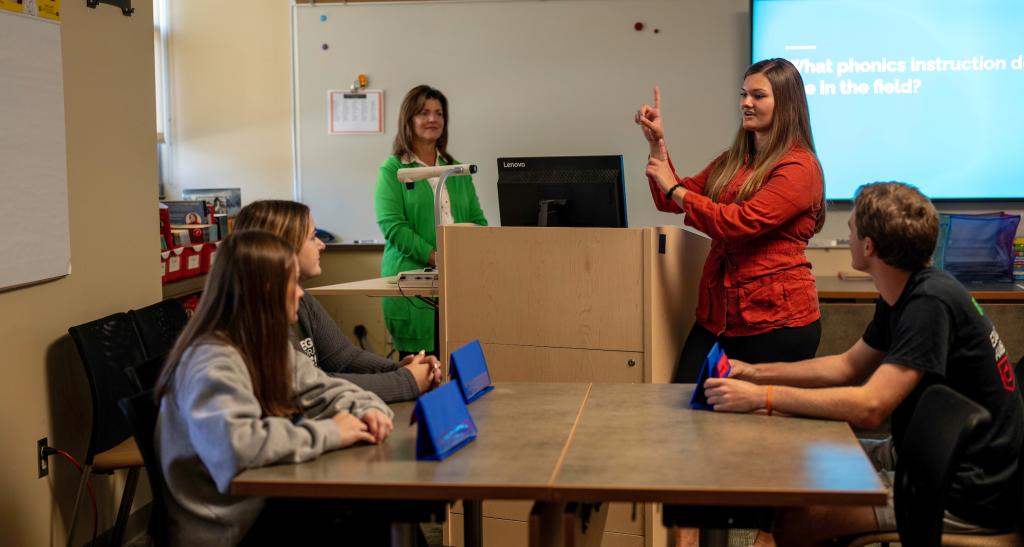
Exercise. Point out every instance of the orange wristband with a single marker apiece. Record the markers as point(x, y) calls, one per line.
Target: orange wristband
point(768, 400)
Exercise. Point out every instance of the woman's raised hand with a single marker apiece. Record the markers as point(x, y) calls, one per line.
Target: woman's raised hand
point(649, 120)
point(659, 169)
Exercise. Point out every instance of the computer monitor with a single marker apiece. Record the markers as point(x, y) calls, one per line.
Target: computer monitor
point(580, 191)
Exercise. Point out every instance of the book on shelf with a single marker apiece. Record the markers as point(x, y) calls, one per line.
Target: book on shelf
point(193, 234)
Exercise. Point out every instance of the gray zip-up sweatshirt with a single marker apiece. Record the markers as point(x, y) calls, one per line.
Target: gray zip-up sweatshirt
point(211, 428)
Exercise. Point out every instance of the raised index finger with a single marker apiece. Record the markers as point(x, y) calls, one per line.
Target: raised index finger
point(657, 98)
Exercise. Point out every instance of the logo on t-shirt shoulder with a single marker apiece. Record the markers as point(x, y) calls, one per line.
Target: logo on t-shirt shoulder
point(306, 344)
point(1002, 361)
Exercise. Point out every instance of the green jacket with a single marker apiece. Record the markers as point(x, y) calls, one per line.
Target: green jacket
point(406, 218)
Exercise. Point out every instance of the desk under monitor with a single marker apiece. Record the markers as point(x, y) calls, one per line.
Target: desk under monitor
point(381, 286)
point(831, 288)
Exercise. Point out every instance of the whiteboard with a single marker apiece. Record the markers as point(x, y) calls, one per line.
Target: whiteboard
point(34, 239)
point(523, 78)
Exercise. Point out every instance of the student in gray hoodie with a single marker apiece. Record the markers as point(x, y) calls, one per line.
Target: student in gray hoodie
point(235, 395)
point(316, 334)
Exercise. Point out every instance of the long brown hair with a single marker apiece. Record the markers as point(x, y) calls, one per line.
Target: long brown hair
point(244, 304)
point(412, 104)
point(791, 126)
point(289, 220)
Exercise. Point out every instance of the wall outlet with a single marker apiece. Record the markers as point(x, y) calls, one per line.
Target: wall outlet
point(41, 458)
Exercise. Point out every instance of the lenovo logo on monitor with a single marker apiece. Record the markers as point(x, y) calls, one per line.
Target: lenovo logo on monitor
point(513, 164)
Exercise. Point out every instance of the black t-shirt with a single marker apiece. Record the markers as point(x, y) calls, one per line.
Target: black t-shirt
point(936, 327)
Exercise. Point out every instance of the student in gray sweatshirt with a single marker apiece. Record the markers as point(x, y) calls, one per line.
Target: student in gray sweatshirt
point(316, 334)
point(235, 395)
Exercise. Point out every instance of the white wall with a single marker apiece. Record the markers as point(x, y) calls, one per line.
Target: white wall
point(230, 98)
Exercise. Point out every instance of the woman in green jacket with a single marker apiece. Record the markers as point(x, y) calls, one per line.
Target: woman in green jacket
point(405, 211)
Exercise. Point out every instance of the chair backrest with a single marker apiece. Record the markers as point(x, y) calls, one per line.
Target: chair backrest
point(141, 412)
point(159, 325)
point(145, 374)
point(936, 436)
point(107, 347)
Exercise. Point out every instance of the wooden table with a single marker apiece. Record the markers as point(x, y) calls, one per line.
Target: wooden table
point(523, 430)
point(381, 286)
point(564, 443)
point(641, 442)
point(833, 288)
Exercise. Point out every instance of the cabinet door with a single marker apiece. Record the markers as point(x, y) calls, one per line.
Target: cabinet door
point(512, 363)
point(564, 287)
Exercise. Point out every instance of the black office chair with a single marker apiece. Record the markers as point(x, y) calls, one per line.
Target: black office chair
point(942, 422)
point(107, 347)
point(144, 375)
point(141, 411)
point(159, 325)
point(935, 439)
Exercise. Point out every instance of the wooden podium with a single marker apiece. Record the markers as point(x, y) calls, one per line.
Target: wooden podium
point(569, 305)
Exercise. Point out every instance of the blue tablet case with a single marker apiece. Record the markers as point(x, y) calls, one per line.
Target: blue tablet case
point(716, 365)
point(469, 368)
point(444, 423)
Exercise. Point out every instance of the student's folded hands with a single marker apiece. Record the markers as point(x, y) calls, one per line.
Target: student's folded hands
point(353, 430)
point(425, 369)
point(378, 423)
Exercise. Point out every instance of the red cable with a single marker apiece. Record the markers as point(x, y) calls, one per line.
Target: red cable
point(92, 493)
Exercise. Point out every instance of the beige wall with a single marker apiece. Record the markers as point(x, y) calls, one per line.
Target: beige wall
point(230, 65)
point(109, 98)
point(344, 263)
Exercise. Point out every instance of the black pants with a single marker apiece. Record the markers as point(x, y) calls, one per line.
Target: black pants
point(298, 521)
point(785, 344)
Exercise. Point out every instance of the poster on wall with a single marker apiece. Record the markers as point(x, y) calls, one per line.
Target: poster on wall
point(355, 112)
point(47, 9)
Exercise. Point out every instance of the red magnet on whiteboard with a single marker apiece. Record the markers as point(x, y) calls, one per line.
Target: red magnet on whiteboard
point(638, 26)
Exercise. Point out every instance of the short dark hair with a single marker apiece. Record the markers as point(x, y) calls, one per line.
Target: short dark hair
point(901, 222)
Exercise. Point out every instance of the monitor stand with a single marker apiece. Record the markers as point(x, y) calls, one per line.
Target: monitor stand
point(549, 212)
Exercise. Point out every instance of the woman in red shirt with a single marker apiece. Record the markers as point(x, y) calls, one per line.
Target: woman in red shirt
point(760, 201)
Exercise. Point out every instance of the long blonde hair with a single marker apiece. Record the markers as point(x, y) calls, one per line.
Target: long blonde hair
point(791, 126)
point(244, 304)
point(289, 220)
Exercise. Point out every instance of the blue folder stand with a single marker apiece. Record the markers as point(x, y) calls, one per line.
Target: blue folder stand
point(444, 423)
point(716, 365)
point(469, 369)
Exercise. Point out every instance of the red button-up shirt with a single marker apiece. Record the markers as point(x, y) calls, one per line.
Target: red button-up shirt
point(756, 277)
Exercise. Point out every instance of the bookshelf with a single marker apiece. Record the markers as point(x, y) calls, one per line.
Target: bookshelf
point(184, 287)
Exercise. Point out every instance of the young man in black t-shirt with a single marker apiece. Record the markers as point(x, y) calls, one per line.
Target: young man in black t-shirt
point(926, 330)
